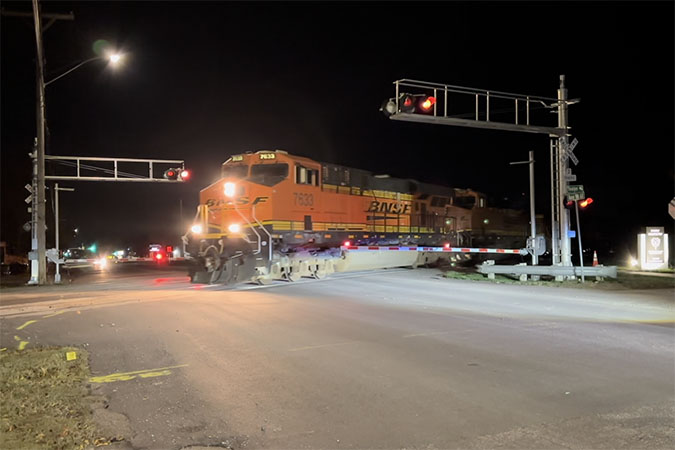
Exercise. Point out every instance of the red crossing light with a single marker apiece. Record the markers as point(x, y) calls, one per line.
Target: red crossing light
point(184, 174)
point(158, 256)
point(169, 249)
point(427, 103)
point(584, 203)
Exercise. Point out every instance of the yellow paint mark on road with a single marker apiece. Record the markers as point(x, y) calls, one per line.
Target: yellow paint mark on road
point(161, 373)
point(55, 314)
point(126, 376)
point(26, 324)
point(3, 349)
point(17, 338)
point(71, 356)
point(22, 345)
point(319, 346)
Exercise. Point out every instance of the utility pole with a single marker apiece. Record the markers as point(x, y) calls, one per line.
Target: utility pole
point(561, 148)
point(39, 244)
point(39, 268)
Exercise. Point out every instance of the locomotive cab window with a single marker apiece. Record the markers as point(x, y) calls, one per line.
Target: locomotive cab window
point(303, 175)
point(269, 174)
point(234, 171)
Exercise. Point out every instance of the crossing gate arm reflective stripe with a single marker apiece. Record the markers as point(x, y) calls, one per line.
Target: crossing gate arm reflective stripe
point(511, 251)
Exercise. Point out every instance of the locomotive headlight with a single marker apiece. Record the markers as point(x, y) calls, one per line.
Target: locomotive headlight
point(196, 229)
point(229, 189)
point(234, 228)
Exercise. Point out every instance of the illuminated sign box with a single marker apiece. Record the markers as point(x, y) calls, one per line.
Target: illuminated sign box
point(653, 249)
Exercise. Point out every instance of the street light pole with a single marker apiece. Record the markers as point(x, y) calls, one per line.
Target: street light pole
point(533, 218)
point(57, 276)
point(533, 224)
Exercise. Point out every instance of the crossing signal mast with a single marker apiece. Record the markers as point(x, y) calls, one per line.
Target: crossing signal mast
point(442, 104)
point(88, 168)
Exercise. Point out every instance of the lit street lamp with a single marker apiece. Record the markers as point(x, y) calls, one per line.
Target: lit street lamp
point(114, 59)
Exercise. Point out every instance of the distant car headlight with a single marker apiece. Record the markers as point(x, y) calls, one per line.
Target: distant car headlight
point(234, 228)
point(196, 229)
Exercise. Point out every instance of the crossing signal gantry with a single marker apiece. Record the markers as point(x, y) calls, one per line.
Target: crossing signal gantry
point(444, 104)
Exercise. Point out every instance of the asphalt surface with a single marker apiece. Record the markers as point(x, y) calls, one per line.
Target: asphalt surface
point(389, 359)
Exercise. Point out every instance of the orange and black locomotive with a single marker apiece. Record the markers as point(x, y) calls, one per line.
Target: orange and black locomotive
point(270, 204)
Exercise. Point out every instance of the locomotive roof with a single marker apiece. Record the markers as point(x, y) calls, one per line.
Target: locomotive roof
point(366, 178)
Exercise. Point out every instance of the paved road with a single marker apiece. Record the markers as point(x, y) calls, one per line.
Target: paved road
point(392, 359)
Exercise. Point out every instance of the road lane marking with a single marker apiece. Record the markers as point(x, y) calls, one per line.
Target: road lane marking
point(433, 333)
point(55, 314)
point(310, 347)
point(126, 376)
point(22, 344)
point(3, 349)
point(26, 324)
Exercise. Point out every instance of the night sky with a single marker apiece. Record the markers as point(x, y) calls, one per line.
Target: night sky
point(203, 81)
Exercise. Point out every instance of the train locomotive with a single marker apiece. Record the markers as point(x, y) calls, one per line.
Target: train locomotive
point(273, 215)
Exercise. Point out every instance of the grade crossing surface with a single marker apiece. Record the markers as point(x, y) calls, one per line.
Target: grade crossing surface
point(385, 359)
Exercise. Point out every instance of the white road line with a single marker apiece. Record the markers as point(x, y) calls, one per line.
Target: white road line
point(310, 347)
point(433, 333)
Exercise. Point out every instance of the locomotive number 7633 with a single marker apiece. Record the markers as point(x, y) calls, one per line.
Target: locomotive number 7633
point(304, 199)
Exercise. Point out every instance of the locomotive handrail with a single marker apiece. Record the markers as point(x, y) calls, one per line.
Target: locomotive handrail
point(250, 226)
point(269, 236)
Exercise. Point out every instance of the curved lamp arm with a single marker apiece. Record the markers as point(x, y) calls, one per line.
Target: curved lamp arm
point(76, 67)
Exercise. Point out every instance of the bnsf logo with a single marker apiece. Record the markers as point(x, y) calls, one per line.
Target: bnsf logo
point(387, 207)
point(240, 201)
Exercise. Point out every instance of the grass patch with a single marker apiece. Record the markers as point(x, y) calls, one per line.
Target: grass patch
point(44, 404)
point(637, 281)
